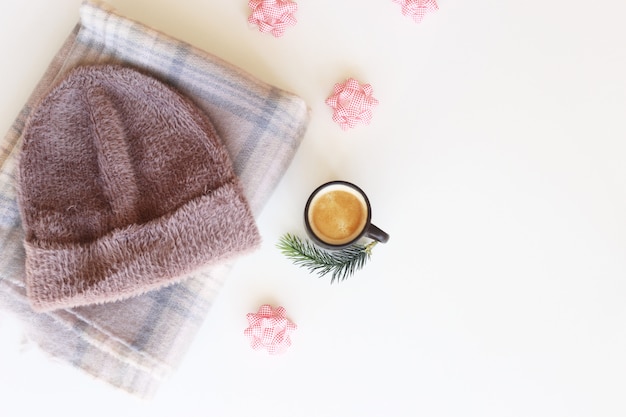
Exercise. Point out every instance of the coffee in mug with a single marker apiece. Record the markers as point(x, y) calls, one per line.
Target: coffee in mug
point(337, 214)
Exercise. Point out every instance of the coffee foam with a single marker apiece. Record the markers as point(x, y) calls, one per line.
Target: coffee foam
point(337, 214)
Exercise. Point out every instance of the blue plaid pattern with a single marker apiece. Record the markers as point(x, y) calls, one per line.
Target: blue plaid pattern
point(261, 126)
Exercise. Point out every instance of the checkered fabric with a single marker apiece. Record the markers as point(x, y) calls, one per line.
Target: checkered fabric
point(417, 9)
point(270, 329)
point(135, 344)
point(352, 103)
point(273, 16)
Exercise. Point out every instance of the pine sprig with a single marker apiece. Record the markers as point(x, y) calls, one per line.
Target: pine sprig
point(339, 263)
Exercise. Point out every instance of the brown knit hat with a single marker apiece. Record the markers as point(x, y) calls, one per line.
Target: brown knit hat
point(124, 187)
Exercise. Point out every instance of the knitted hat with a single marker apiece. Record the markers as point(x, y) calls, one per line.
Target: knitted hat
point(124, 187)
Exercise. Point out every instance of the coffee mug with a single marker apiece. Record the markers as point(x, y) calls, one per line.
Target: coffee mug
point(338, 214)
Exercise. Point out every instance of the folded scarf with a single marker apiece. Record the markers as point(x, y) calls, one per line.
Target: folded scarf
point(261, 126)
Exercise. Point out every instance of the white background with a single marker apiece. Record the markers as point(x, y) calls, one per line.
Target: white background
point(495, 161)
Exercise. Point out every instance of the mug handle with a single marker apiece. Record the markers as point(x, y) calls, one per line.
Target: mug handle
point(375, 233)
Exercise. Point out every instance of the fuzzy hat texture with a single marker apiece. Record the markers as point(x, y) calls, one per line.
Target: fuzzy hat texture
point(124, 187)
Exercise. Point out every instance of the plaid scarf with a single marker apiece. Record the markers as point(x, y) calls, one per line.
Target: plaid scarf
point(261, 126)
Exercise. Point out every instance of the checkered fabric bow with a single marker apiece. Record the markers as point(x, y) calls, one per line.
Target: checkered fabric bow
point(417, 9)
point(272, 15)
point(269, 329)
point(352, 103)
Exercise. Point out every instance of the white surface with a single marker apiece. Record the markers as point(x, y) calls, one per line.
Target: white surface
point(495, 161)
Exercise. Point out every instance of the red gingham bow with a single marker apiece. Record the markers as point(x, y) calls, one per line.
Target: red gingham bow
point(352, 103)
point(269, 329)
point(417, 9)
point(272, 15)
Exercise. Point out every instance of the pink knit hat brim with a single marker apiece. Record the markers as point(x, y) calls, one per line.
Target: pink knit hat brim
point(139, 258)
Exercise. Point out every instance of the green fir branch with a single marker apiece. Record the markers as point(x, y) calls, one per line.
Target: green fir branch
point(339, 263)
